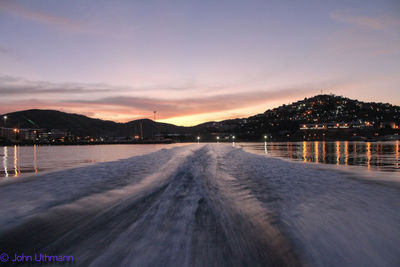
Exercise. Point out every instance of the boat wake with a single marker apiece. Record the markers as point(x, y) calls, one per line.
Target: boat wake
point(201, 205)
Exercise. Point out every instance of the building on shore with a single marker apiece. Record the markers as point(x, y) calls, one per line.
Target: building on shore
point(28, 134)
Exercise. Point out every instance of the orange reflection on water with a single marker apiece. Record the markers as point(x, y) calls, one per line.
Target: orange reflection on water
point(337, 152)
point(16, 167)
point(316, 152)
point(383, 156)
point(368, 155)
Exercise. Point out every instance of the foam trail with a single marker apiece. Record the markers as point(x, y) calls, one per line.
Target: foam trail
point(198, 205)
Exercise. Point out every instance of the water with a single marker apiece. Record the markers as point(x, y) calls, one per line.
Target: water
point(22, 160)
point(382, 156)
point(202, 205)
point(17, 161)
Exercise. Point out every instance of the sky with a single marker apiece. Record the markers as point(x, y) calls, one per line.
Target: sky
point(194, 61)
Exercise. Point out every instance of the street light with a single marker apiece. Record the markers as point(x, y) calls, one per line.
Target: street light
point(15, 132)
point(198, 139)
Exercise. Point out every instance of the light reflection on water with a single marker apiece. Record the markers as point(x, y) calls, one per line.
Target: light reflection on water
point(5, 159)
point(17, 160)
point(382, 156)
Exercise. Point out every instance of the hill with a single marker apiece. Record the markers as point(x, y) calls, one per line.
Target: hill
point(320, 109)
point(279, 122)
point(328, 108)
point(81, 125)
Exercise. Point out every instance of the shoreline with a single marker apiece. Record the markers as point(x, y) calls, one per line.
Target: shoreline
point(149, 142)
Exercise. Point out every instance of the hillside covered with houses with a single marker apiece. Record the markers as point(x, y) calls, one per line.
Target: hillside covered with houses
point(322, 117)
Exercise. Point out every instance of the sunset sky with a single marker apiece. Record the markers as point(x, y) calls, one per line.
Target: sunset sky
point(194, 61)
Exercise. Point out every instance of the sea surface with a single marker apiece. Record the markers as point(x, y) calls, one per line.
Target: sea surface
point(380, 156)
point(16, 161)
point(199, 205)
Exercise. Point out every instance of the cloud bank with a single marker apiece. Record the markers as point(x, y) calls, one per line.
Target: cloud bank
point(123, 104)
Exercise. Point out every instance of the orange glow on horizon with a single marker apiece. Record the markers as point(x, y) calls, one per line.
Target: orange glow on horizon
point(181, 114)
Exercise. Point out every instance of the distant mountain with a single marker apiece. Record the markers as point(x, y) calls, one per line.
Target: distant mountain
point(328, 108)
point(279, 121)
point(81, 125)
point(287, 119)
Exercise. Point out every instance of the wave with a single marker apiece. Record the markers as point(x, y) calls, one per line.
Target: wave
point(201, 205)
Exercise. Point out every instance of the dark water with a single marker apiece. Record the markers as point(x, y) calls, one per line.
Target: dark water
point(382, 156)
point(16, 161)
point(19, 160)
point(197, 205)
point(174, 207)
